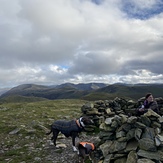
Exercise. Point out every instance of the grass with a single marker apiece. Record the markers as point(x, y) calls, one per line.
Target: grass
point(30, 118)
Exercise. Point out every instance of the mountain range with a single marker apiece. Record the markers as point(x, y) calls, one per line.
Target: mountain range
point(90, 91)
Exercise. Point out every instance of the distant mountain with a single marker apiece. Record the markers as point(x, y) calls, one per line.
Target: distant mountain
point(90, 91)
point(133, 91)
point(63, 91)
point(82, 86)
point(3, 90)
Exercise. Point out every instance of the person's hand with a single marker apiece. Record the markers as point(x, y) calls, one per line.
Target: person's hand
point(142, 106)
point(141, 109)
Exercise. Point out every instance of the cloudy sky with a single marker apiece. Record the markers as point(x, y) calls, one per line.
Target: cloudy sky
point(52, 42)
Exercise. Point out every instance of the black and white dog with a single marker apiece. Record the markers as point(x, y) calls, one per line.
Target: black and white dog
point(69, 128)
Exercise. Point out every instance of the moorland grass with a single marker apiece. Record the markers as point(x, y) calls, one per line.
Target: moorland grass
point(28, 117)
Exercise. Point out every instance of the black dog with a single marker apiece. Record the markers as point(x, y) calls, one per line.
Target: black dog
point(86, 149)
point(69, 128)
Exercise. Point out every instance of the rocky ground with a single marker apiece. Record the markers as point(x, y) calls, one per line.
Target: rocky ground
point(41, 150)
point(64, 153)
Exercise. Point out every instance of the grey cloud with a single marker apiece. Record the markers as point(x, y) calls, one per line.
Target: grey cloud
point(94, 40)
point(150, 65)
point(94, 63)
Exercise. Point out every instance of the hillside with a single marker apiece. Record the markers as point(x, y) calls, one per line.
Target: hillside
point(90, 91)
point(133, 91)
point(3, 90)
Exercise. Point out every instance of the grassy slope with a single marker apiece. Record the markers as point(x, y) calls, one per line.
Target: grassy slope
point(26, 117)
point(132, 92)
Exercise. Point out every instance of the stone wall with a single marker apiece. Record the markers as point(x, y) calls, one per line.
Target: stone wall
point(125, 137)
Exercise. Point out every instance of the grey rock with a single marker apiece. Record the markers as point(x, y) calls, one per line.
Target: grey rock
point(138, 133)
point(139, 125)
point(150, 113)
point(105, 148)
point(144, 160)
point(148, 133)
point(159, 140)
point(151, 155)
point(147, 144)
point(120, 134)
point(126, 127)
point(132, 145)
point(160, 119)
point(108, 158)
point(117, 146)
point(108, 121)
point(130, 134)
point(145, 120)
point(132, 120)
point(15, 131)
point(120, 160)
point(132, 157)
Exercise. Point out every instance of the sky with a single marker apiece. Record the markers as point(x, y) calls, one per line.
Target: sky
point(50, 42)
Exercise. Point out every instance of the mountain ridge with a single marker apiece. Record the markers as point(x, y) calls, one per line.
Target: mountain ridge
point(89, 91)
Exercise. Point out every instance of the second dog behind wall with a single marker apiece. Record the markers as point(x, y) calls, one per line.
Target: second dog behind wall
point(86, 150)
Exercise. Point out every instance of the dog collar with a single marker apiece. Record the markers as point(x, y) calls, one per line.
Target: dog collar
point(77, 122)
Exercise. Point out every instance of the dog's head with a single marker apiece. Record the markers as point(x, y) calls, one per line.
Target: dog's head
point(84, 121)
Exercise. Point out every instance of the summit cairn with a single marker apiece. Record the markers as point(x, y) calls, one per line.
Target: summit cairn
point(125, 137)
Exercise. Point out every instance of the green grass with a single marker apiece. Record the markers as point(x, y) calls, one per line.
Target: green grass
point(29, 117)
point(98, 95)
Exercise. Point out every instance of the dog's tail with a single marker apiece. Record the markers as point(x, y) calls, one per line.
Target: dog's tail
point(48, 133)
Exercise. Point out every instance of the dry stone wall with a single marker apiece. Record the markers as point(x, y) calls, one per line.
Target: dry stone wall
point(125, 137)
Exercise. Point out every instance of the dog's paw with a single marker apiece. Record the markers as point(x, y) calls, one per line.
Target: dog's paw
point(75, 149)
point(50, 143)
